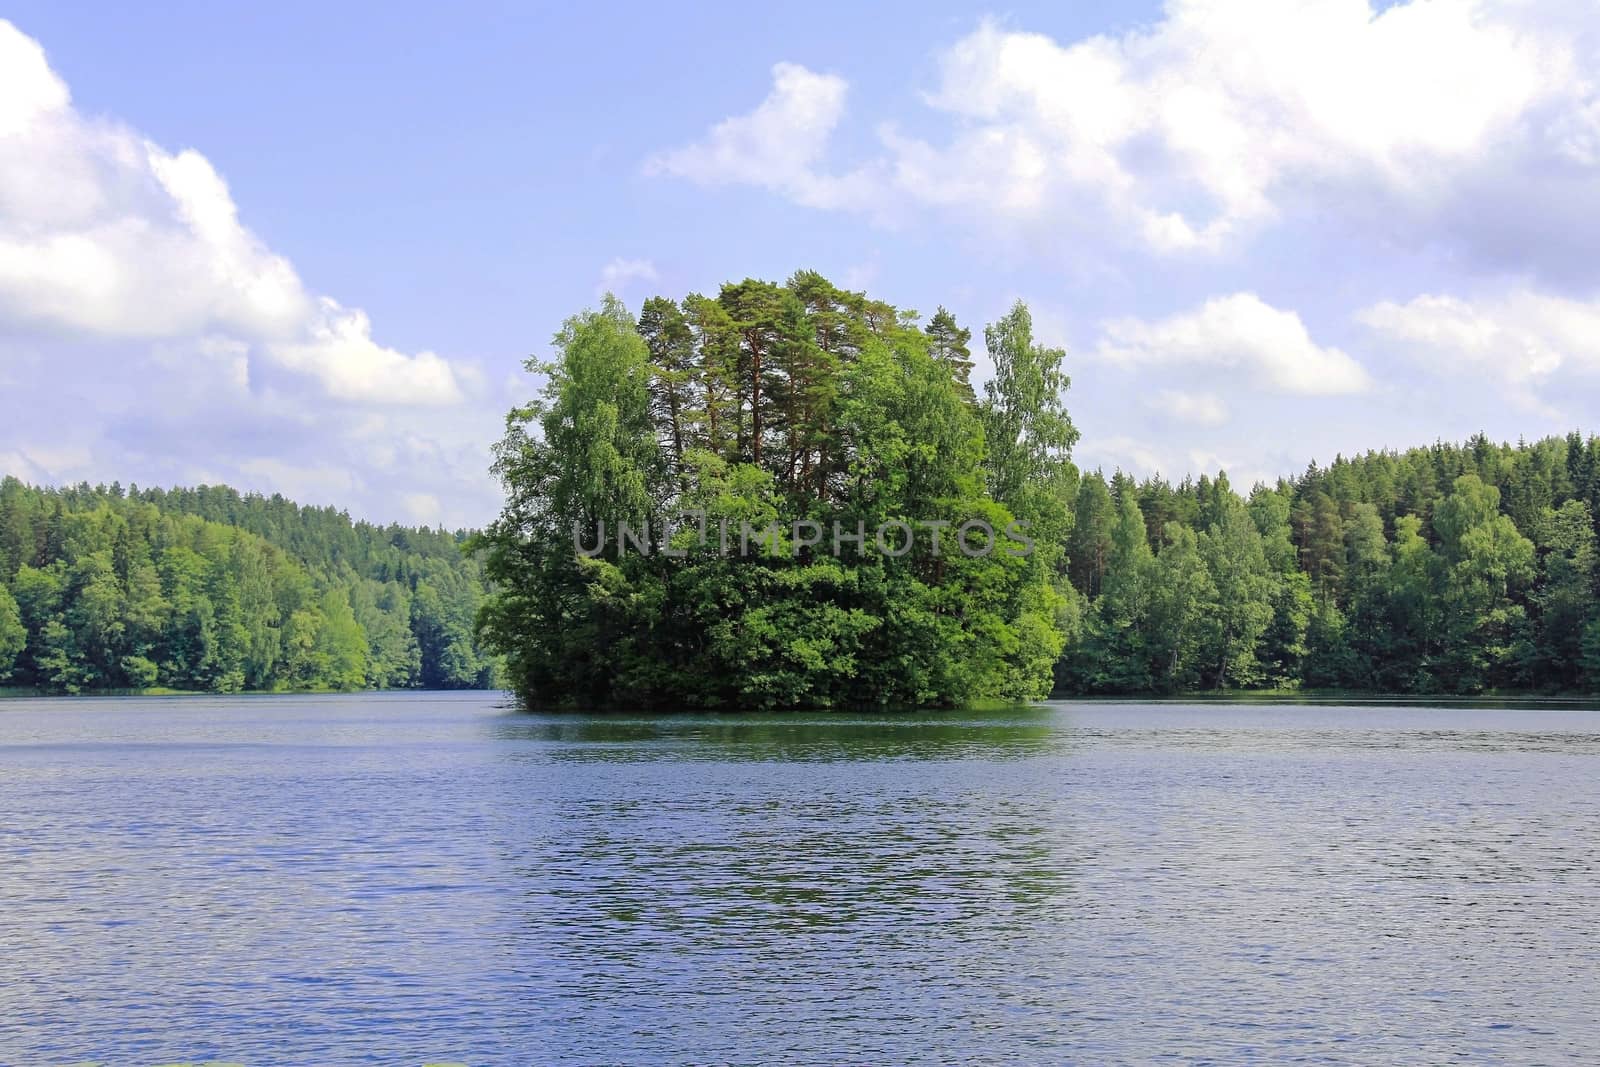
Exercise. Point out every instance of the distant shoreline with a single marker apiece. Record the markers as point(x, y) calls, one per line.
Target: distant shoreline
point(8, 693)
point(1239, 698)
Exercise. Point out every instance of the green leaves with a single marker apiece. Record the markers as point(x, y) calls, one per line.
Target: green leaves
point(1366, 575)
point(184, 590)
point(799, 403)
point(13, 635)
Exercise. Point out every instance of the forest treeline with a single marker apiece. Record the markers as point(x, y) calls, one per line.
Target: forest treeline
point(207, 589)
point(1450, 569)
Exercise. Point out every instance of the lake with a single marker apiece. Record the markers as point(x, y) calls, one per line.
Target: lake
point(426, 877)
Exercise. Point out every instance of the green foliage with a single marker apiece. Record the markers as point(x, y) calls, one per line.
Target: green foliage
point(793, 404)
point(1365, 575)
point(205, 589)
point(1027, 432)
point(13, 635)
point(948, 344)
point(1489, 564)
point(1589, 665)
point(1246, 587)
point(1089, 549)
point(1564, 600)
point(1184, 631)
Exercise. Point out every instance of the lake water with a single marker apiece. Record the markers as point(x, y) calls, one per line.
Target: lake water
point(430, 877)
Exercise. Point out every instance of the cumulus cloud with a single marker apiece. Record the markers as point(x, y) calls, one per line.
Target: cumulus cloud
point(1199, 126)
point(778, 146)
point(1521, 339)
point(189, 413)
point(1224, 117)
point(105, 233)
point(338, 350)
point(1241, 334)
point(147, 334)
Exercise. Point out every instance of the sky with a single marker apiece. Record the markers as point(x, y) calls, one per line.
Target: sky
point(306, 248)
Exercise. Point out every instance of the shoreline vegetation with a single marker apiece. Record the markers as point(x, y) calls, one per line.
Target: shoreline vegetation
point(796, 408)
point(24, 692)
point(1512, 700)
point(106, 589)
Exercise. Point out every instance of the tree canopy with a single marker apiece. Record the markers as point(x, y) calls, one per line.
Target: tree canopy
point(208, 589)
point(816, 413)
point(1450, 569)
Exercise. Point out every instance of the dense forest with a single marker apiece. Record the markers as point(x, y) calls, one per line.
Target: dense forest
point(781, 404)
point(1451, 569)
point(205, 589)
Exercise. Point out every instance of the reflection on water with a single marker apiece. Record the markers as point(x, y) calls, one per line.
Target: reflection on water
point(1017, 732)
point(427, 878)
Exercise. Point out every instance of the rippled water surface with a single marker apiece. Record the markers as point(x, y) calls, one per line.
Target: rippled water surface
point(425, 877)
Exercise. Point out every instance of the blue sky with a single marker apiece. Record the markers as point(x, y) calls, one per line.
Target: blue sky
point(305, 249)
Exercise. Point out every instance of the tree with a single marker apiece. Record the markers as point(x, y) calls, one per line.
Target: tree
point(13, 635)
point(717, 352)
point(758, 315)
point(594, 461)
point(1283, 647)
point(1488, 563)
point(948, 344)
point(1590, 663)
point(341, 646)
point(1322, 544)
point(1116, 653)
point(1089, 551)
point(1025, 422)
point(1377, 580)
point(670, 341)
point(1244, 584)
point(1184, 626)
point(1565, 594)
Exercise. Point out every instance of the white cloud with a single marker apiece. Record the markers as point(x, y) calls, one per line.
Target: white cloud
point(861, 276)
point(147, 335)
point(1521, 339)
point(1239, 333)
point(189, 414)
point(1192, 129)
point(1223, 117)
point(776, 146)
point(619, 273)
point(104, 233)
point(1199, 409)
point(340, 353)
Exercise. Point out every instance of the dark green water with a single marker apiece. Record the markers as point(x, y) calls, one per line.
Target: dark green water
point(424, 877)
